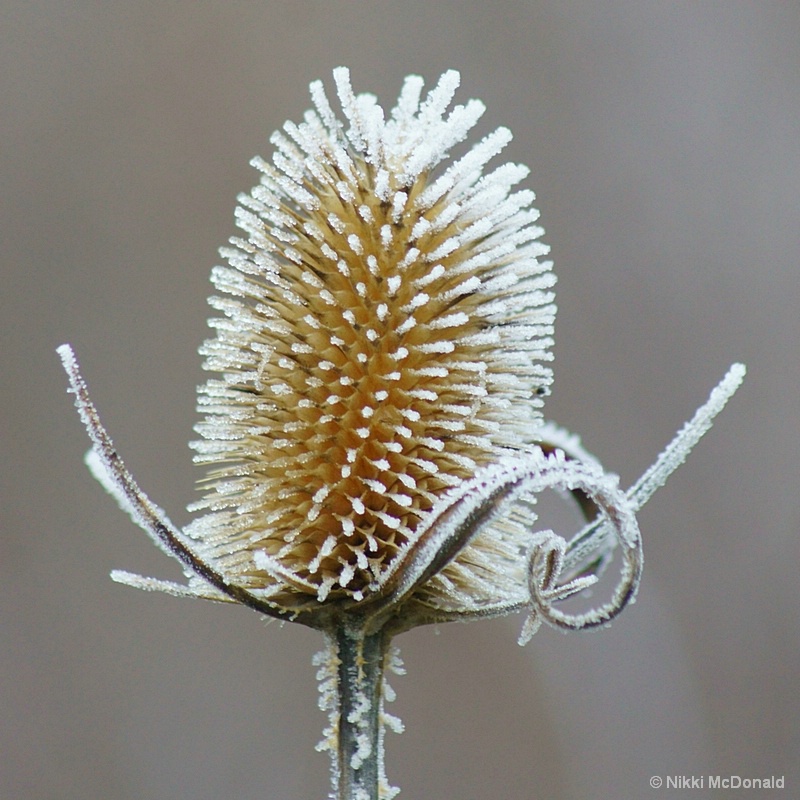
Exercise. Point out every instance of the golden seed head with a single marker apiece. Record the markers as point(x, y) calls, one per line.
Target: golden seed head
point(385, 326)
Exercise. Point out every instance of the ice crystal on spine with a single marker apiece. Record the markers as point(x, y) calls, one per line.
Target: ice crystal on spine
point(387, 323)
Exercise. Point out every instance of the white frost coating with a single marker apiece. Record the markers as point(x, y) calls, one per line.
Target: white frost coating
point(327, 681)
point(99, 472)
point(679, 448)
point(388, 722)
point(106, 467)
point(596, 538)
point(355, 244)
point(204, 591)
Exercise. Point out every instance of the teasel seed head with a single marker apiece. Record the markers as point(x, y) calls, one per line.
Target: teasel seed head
point(373, 437)
point(386, 327)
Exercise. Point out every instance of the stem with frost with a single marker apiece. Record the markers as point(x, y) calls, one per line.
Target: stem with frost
point(352, 685)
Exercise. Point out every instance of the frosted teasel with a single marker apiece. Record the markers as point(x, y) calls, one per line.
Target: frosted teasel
point(375, 439)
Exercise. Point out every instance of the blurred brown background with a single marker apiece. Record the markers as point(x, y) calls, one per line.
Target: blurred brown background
point(664, 144)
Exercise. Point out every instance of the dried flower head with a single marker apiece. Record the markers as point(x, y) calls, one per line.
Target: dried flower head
point(385, 327)
point(374, 437)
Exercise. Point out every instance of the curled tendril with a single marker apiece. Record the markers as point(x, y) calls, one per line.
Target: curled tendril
point(544, 570)
point(549, 555)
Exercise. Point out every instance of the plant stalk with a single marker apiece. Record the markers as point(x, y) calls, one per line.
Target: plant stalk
point(358, 760)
